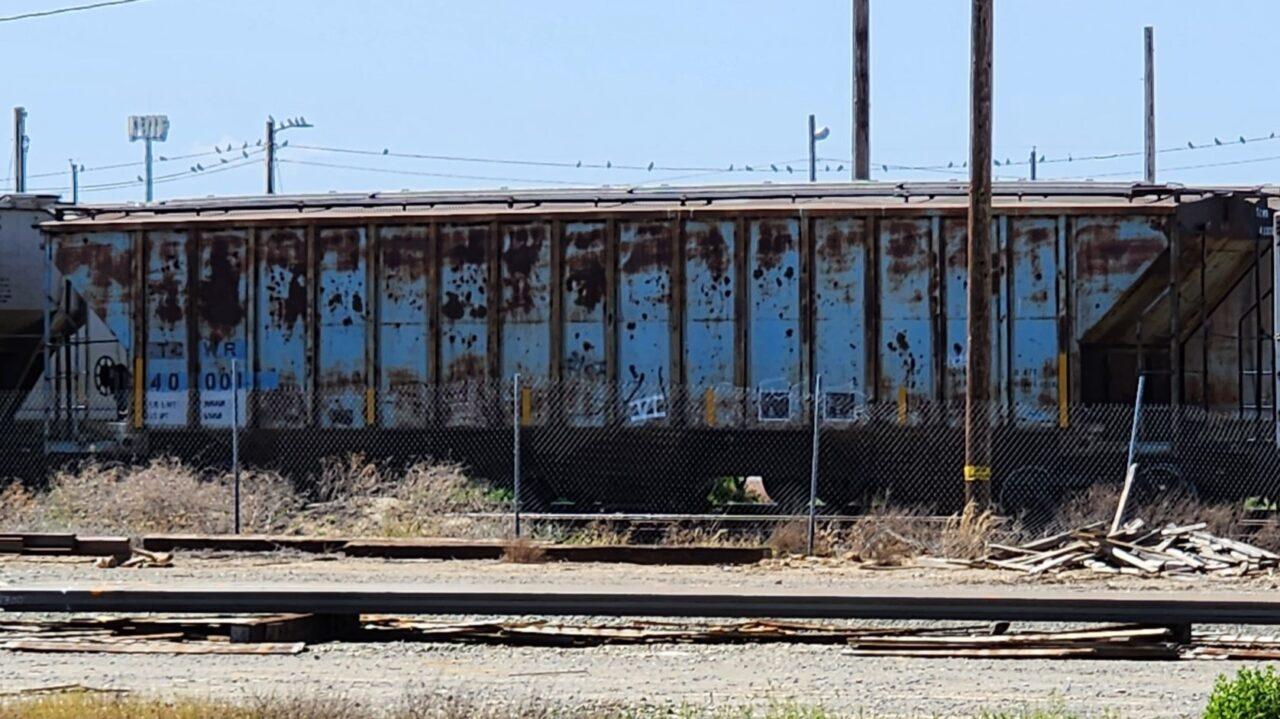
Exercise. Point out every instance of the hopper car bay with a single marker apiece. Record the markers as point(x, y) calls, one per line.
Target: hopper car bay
point(673, 335)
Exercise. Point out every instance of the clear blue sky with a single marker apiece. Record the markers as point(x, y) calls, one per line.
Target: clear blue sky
point(677, 83)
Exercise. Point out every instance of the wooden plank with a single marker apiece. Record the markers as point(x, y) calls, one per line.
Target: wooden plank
point(160, 647)
point(1041, 638)
point(294, 628)
point(1142, 564)
point(103, 546)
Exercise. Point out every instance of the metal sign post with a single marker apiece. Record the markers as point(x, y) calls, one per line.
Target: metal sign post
point(148, 128)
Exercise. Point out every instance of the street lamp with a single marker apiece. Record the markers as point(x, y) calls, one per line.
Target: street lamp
point(148, 128)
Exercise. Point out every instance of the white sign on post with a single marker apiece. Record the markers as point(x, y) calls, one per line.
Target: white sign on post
point(148, 127)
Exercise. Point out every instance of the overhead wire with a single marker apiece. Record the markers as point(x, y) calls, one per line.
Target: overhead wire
point(63, 10)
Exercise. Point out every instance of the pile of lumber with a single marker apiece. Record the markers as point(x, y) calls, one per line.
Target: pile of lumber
point(1171, 551)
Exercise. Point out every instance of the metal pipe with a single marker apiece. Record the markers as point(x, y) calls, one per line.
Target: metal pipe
point(1137, 420)
point(813, 462)
point(271, 156)
point(515, 455)
point(147, 142)
point(813, 149)
point(235, 436)
point(19, 150)
point(48, 336)
point(1149, 95)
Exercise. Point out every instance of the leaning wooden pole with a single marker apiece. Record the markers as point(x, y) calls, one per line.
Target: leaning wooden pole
point(977, 410)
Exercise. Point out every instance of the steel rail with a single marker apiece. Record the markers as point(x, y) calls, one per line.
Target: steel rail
point(1179, 608)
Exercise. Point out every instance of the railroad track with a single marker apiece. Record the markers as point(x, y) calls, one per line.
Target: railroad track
point(1180, 609)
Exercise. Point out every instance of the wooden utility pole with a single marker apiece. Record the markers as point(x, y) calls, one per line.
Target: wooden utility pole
point(861, 91)
point(977, 406)
point(1150, 81)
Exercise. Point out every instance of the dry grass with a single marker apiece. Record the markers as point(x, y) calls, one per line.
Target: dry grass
point(523, 551)
point(356, 497)
point(163, 496)
point(597, 533)
point(888, 535)
point(788, 538)
point(417, 706)
point(704, 536)
point(1098, 504)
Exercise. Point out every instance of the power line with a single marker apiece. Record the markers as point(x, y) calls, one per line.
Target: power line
point(62, 10)
point(452, 176)
point(561, 164)
point(170, 177)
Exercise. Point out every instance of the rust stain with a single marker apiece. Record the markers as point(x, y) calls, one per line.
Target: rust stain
point(584, 268)
point(774, 242)
point(465, 246)
point(903, 249)
point(709, 248)
point(467, 366)
point(1102, 252)
point(649, 249)
point(284, 257)
point(221, 305)
point(520, 261)
point(105, 267)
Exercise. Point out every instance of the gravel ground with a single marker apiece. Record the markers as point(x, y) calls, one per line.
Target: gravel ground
point(673, 674)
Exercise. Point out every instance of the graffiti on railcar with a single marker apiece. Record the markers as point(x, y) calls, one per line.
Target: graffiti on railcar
point(709, 345)
point(839, 289)
point(341, 308)
point(526, 312)
point(1033, 318)
point(585, 280)
point(773, 302)
point(464, 323)
point(906, 335)
point(282, 379)
point(221, 301)
point(167, 380)
point(404, 326)
point(644, 316)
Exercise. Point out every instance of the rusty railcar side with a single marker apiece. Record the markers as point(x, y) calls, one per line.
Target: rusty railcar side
point(707, 318)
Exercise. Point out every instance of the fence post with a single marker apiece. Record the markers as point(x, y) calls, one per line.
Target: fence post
point(515, 453)
point(235, 437)
point(813, 466)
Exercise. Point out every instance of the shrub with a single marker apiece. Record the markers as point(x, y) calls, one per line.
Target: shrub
point(1252, 694)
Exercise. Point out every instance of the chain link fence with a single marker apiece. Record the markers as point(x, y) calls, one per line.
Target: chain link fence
point(523, 450)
